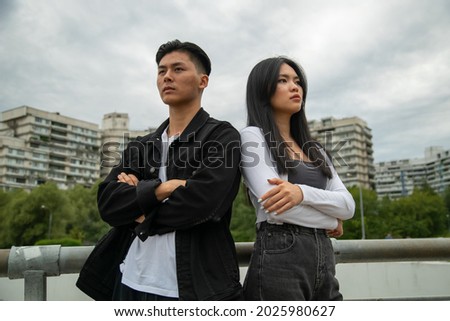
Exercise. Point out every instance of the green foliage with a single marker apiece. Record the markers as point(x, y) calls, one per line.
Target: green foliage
point(63, 242)
point(32, 216)
point(422, 214)
point(243, 219)
point(5, 199)
point(87, 224)
point(446, 198)
point(49, 213)
point(352, 228)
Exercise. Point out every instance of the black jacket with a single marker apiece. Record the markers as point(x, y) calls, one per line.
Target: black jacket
point(207, 156)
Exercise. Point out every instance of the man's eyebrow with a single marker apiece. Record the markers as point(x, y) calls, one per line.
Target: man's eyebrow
point(175, 64)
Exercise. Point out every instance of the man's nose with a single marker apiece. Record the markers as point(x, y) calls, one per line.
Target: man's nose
point(167, 76)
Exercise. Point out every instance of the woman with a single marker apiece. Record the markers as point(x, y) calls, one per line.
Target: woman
point(299, 198)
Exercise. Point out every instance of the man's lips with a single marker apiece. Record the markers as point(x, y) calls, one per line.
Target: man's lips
point(168, 88)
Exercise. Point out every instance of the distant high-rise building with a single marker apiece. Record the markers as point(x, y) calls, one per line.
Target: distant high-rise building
point(115, 136)
point(349, 141)
point(38, 146)
point(398, 178)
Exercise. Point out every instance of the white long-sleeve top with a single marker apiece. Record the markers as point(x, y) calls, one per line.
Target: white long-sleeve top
point(319, 208)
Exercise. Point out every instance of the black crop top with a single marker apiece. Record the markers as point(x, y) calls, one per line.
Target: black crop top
point(306, 173)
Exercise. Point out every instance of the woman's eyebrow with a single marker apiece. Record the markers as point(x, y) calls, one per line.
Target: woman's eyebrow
point(289, 76)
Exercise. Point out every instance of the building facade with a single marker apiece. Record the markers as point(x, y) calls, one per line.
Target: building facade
point(37, 146)
point(398, 178)
point(349, 141)
point(115, 136)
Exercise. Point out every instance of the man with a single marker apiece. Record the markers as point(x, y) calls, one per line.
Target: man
point(175, 188)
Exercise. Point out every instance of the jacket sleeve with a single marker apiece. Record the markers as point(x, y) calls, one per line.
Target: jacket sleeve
point(119, 203)
point(209, 192)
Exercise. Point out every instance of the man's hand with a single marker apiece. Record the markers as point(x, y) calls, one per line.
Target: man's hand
point(282, 197)
point(164, 190)
point(132, 180)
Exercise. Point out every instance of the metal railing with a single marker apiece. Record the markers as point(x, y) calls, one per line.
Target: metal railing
point(35, 263)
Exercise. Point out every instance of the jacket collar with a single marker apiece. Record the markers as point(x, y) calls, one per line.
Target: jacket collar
point(194, 125)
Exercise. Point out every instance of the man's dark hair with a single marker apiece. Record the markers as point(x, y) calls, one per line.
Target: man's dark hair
point(196, 54)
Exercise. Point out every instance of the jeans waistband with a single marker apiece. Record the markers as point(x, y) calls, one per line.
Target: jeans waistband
point(291, 227)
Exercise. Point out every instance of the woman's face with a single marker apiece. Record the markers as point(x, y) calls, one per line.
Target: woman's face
point(288, 95)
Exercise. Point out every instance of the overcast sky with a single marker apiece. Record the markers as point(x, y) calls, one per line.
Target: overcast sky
point(387, 62)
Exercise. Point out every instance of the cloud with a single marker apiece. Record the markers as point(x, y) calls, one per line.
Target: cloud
point(386, 62)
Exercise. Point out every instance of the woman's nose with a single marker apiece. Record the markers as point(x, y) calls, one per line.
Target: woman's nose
point(294, 86)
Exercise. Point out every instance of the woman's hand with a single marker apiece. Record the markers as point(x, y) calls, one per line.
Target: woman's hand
point(338, 231)
point(282, 197)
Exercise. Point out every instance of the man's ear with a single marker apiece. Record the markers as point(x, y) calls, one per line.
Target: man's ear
point(204, 79)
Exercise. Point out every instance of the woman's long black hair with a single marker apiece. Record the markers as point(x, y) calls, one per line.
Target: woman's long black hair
point(261, 86)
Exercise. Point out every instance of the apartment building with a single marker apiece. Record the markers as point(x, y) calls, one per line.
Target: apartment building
point(349, 141)
point(37, 146)
point(398, 178)
point(115, 137)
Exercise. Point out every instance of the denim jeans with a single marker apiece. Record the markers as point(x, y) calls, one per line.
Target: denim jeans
point(291, 262)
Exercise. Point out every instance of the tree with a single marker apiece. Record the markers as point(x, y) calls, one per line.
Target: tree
point(243, 219)
point(28, 217)
point(87, 225)
point(446, 197)
point(18, 220)
point(352, 227)
point(421, 214)
point(5, 199)
point(33, 216)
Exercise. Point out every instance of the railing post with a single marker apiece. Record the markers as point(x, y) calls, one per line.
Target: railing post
point(35, 285)
point(34, 264)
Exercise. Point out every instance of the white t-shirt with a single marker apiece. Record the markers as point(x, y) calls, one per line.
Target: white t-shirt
point(319, 208)
point(150, 266)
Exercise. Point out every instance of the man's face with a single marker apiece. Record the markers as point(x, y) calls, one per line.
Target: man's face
point(179, 82)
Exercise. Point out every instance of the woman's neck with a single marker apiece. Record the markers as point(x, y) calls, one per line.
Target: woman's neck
point(284, 127)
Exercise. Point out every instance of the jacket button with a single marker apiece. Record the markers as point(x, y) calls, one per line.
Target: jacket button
point(152, 170)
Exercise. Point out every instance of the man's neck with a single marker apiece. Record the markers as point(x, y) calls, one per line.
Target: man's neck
point(180, 117)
